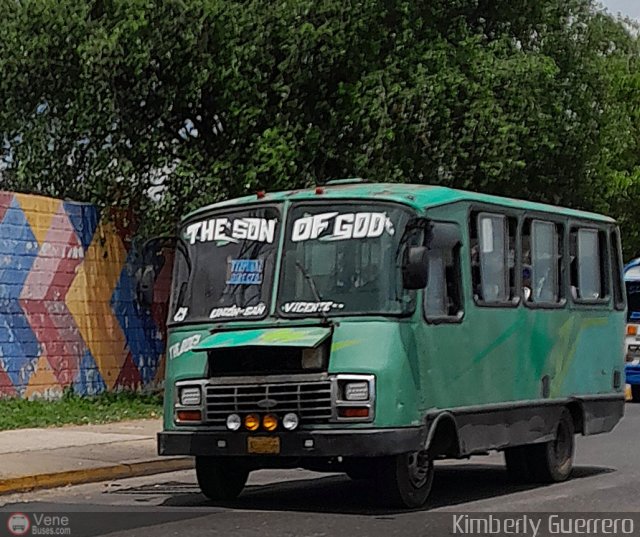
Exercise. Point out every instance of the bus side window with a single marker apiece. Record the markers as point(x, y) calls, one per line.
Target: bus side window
point(493, 258)
point(588, 269)
point(541, 267)
point(443, 295)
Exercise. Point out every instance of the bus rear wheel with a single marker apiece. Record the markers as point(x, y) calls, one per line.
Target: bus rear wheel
point(550, 462)
point(405, 480)
point(220, 479)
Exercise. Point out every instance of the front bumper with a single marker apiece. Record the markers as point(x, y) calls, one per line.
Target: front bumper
point(326, 443)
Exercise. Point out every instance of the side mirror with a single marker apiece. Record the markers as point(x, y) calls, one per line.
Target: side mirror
point(151, 263)
point(146, 279)
point(415, 269)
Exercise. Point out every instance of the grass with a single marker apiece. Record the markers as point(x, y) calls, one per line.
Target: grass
point(74, 409)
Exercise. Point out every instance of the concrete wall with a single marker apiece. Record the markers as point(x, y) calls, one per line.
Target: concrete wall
point(68, 310)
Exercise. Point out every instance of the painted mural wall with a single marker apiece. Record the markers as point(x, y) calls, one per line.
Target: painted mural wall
point(69, 317)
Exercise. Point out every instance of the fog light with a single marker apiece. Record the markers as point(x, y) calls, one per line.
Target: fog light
point(356, 391)
point(270, 422)
point(190, 396)
point(290, 421)
point(251, 422)
point(233, 422)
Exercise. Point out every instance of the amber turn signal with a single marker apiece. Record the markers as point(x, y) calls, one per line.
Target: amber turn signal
point(189, 415)
point(353, 412)
point(251, 422)
point(632, 329)
point(270, 422)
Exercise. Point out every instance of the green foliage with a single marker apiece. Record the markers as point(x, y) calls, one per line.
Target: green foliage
point(215, 98)
point(74, 409)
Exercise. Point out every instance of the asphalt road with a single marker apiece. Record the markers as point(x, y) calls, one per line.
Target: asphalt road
point(282, 503)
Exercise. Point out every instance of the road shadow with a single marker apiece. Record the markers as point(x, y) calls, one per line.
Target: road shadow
point(453, 485)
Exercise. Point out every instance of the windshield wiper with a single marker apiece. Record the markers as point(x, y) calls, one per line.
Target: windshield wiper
point(314, 289)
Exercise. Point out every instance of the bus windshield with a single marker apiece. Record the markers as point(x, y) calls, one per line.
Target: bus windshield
point(224, 266)
point(344, 259)
point(633, 301)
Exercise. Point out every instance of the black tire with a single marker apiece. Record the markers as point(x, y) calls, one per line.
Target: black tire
point(635, 393)
point(405, 480)
point(220, 479)
point(517, 466)
point(552, 461)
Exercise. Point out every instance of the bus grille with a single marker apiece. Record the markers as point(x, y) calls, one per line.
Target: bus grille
point(310, 400)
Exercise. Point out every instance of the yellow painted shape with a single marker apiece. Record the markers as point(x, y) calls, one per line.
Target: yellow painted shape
point(627, 392)
point(39, 212)
point(89, 300)
point(562, 353)
point(42, 382)
point(339, 345)
point(282, 335)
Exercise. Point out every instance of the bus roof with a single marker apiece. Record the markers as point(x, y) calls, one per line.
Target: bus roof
point(416, 196)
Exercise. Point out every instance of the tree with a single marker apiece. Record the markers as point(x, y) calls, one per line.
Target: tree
point(214, 98)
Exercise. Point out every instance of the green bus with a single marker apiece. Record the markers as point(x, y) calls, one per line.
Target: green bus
point(375, 328)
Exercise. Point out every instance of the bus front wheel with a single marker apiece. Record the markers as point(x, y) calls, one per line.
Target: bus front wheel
point(220, 479)
point(405, 480)
point(635, 393)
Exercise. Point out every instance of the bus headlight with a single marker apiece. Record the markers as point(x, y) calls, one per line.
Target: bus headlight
point(355, 397)
point(190, 396)
point(356, 391)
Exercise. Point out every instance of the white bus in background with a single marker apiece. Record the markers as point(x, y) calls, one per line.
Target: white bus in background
point(632, 346)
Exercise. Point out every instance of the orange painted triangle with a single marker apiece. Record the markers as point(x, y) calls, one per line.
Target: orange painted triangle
point(43, 382)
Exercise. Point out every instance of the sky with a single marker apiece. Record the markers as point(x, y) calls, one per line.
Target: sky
point(626, 7)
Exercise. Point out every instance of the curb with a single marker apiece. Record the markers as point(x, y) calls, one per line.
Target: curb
point(94, 475)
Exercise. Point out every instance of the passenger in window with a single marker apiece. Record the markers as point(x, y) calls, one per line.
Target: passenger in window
point(526, 282)
point(573, 272)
